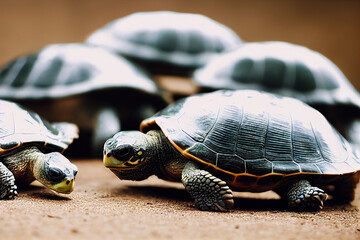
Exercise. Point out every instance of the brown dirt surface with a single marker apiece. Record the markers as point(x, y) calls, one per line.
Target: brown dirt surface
point(103, 207)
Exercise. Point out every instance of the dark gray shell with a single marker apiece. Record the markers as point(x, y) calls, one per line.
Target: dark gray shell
point(179, 39)
point(62, 70)
point(19, 126)
point(281, 68)
point(255, 140)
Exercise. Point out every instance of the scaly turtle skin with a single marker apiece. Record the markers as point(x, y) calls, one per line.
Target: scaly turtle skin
point(83, 82)
point(288, 70)
point(29, 150)
point(246, 140)
point(166, 42)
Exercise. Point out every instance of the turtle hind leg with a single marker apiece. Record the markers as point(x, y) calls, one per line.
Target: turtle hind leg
point(301, 195)
point(209, 192)
point(344, 191)
point(7, 183)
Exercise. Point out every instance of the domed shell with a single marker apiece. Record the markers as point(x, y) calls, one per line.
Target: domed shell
point(281, 68)
point(19, 126)
point(181, 39)
point(62, 70)
point(255, 140)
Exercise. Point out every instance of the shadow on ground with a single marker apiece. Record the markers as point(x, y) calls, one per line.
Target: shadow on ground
point(180, 195)
point(40, 192)
point(240, 203)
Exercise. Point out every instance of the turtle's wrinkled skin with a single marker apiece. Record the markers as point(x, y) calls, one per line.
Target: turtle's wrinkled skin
point(166, 42)
point(288, 70)
point(244, 140)
point(98, 90)
point(30, 150)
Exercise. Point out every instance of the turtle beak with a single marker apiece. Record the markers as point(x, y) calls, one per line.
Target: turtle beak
point(66, 186)
point(109, 161)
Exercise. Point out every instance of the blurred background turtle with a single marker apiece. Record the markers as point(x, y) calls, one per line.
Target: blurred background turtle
point(289, 70)
point(166, 42)
point(100, 91)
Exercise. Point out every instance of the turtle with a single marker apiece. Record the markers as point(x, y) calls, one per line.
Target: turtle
point(30, 149)
point(166, 42)
point(98, 90)
point(244, 139)
point(289, 70)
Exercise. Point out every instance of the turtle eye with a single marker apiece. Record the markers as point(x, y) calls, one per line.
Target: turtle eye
point(122, 152)
point(55, 174)
point(111, 142)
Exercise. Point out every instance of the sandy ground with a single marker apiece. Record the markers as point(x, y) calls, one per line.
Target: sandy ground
point(103, 207)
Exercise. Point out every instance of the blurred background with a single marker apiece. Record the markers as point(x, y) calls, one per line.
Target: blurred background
point(329, 27)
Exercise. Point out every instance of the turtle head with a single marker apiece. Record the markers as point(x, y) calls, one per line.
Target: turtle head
point(55, 172)
point(129, 154)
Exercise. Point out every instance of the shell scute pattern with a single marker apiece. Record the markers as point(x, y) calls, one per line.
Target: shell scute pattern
point(20, 126)
point(249, 133)
point(167, 42)
point(268, 180)
point(203, 152)
point(274, 71)
point(49, 73)
point(304, 79)
point(226, 122)
point(279, 67)
point(183, 39)
point(231, 163)
point(242, 71)
point(48, 68)
point(286, 167)
point(259, 167)
point(254, 135)
point(23, 65)
point(246, 180)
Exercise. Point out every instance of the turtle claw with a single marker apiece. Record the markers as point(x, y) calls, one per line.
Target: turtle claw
point(314, 201)
point(303, 196)
point(11, 192)
point(209, 192)
point(225, 205)
point(217, 202)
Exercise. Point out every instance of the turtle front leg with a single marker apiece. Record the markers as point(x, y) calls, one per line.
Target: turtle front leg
point(301, 195)
point(7, 183)
point(209, 192)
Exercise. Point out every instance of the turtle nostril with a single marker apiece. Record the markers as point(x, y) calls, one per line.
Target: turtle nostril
point(107, 152)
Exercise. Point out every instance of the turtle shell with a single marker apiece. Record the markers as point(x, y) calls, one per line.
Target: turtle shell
point(20, 127)
point(62, 70)
point(255, 141)
point(281, 68)
point(183, 40)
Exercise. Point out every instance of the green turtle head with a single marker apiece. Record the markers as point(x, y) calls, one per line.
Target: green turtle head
point(129, 155)
point(55, 172)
